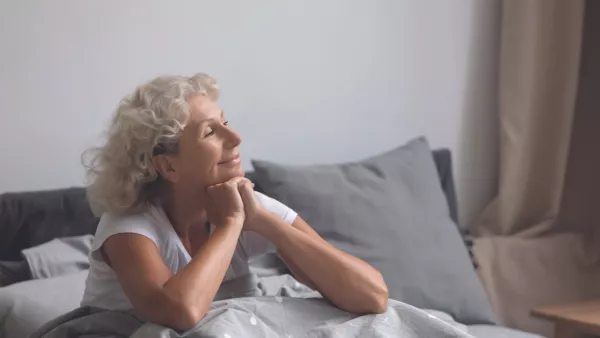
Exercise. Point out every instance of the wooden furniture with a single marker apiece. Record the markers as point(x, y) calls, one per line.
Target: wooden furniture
point(576, 320)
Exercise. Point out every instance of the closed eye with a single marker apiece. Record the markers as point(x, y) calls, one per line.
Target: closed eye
point(212, 131)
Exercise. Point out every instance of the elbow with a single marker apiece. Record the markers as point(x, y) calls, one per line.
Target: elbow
point(379, 300)
point(379, 305)
point(372, 300)
point(186, 316)
point(369, 300)
point(173, 310)
point(368, 305)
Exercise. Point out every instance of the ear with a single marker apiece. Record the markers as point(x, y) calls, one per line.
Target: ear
point(167, 167)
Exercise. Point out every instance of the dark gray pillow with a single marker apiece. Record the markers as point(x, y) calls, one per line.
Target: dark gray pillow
point(390, 211)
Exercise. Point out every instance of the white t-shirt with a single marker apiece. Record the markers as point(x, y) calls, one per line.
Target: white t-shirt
point(102, 288)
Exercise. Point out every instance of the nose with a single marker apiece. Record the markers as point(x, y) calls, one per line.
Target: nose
point(232, 138)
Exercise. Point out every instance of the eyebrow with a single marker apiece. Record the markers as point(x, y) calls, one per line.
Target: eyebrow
point(211, 119)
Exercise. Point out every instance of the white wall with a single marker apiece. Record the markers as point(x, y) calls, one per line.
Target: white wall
point(360, 77)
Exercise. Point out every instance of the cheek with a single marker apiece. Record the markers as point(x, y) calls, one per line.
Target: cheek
point(200, 160)
point(202, 166)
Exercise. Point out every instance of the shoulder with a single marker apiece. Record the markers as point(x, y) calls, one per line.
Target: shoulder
point(147, 223)
point(286, 213)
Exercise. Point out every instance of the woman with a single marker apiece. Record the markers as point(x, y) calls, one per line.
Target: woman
point(175, 207)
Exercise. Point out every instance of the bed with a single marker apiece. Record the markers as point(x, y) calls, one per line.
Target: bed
point(435, 292)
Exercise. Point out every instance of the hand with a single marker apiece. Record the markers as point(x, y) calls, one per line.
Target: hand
point(225, 204)
point(253, 210)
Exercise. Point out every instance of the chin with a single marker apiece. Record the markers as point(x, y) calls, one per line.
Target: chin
point(238, 172)
point(226, 176)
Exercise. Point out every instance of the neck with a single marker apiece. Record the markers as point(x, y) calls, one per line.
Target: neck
point(184, 210)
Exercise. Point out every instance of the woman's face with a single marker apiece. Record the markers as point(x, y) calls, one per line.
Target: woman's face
point(208, 147)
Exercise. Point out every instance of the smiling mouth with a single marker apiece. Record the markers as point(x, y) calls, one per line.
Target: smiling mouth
point(233, 160)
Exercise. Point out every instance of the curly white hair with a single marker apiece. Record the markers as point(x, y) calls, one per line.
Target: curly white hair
point(120, 173)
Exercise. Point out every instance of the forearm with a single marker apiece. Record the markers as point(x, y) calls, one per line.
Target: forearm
point(296, 271)
point(347, 281)
point(197, 284)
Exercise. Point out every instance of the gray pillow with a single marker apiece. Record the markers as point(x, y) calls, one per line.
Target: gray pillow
point(26, 306)
point(390, 211)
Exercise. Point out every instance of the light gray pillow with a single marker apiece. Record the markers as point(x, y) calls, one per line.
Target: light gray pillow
point(26, 306)
point(390, 211)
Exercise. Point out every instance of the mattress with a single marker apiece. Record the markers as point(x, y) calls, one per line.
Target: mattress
point(491, 331)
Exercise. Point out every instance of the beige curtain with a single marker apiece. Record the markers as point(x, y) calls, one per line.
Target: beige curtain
point(533, 241)
point(539, 64)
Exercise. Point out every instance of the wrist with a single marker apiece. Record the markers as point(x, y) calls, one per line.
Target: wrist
point(265, 223)
point(232, 221)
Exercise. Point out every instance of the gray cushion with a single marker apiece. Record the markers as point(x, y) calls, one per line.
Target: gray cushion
point(390, 211)
point(31, 218)
point(26, 306)
point(13, 272)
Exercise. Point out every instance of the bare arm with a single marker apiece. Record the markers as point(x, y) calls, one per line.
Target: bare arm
point(178, 301)
point(181, 300)
point(348, 282)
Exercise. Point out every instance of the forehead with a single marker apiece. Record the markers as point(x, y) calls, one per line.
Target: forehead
point(203, 108)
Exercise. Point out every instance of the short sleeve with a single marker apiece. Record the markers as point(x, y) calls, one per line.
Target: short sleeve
point(111, 225)
point(253, 243)
point(283, 211)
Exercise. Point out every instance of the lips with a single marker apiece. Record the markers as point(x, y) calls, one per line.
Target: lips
point(232, 160)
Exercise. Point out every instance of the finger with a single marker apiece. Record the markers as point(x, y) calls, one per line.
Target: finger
point(247, 193)
point(240, 180)
point(245, 184)
point(214, 186)
point(236, 180)
point(246, 180)
point(231, 185)
point(210, 189)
